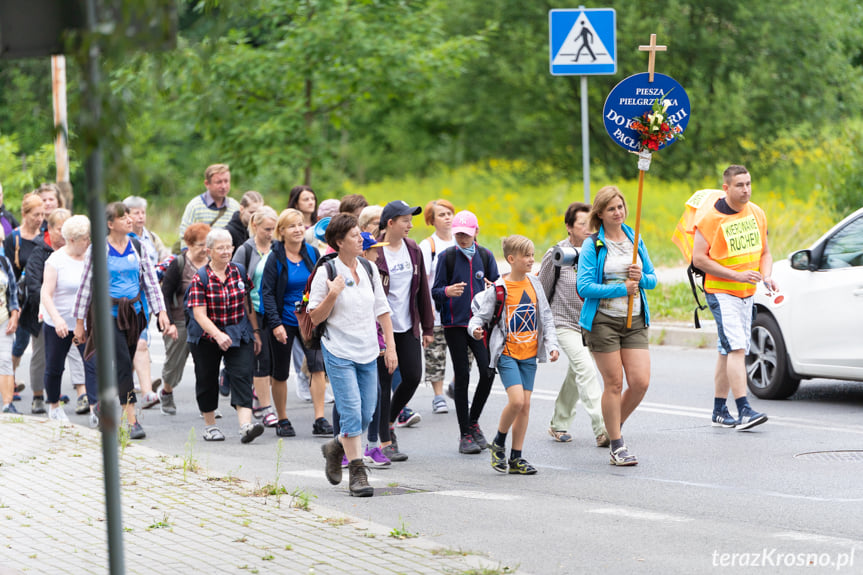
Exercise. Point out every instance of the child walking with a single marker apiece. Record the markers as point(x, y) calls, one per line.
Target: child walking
point(522, 334)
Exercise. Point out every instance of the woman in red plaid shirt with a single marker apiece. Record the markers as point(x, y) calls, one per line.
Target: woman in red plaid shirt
point(222, 309)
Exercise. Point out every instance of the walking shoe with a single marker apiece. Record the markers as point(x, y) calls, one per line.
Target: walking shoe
point(322, 428)
point(408, 417)
point(392, 453)
point(394, 439)
point(166, 403)
point(136, 431)
point(58, 414)
point(450, 390)
point(19, 387)
point(467, 445)
point(749, 418)
point(38, 405)
point(270, 418)
point(359, 481)
point(477, 435)
point(217, 414)
point(622, 457)
point(213, 434)
point(520, 466)
point(345, 462)
point(250, 431)
point(82, 406)
point(374, 457)
point(723, 419)
point(560, 436)
point(285, 429)
point(94, 420)
point(333, 453)
point(16, 397)
point(149, 400)
point(439, 405)
point(602, 440)
point(64, 399)
point(498, 457)
point(302, 389)
point(9, 408)
point(224, 384)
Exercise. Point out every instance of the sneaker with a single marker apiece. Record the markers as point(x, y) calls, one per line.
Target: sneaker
point(16, 397)
point(450, 390)
point(392, 453)
point(622, 457)
point(723, 419)
point(250, 431)
point(408, 418)
point(560, 436)
point(38, 405)
point(58, 414)
point(64, 399)
point(602, 440)
point(136, 431)
point(166, 403)
point(439, 405)
point(520, 466)
point(394, 439)
point(498, 457)
point(213, 434)
point(333, 453)
point(285, 429)
point(94, 420)
point(82, 405)
point(224, 384)
point(149, 400)
point(359, 480)
point(19, 387)
point(374, 457)
point(749, 418)
point(467, 445)
point(322, 428)
point(9, 408)
point(477, 435)
point(345, 462)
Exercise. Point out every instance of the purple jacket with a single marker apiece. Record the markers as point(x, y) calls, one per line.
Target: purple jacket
point(422, 312)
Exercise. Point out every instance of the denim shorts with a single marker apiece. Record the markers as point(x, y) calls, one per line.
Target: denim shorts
point(516, 371)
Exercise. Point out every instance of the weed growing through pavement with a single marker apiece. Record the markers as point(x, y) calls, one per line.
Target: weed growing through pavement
point(402, 532)
point(13, 419)
point(289, 547)
point(267, 557)
point(190, 464)
point(300, 499)
point(123, 432)
point(164, 523)
point(499, 570)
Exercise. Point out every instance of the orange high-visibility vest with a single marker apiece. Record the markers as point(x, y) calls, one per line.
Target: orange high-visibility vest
point(698, 204)
point(736, 241)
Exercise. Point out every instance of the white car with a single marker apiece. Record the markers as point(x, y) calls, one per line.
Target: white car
point(813, 326)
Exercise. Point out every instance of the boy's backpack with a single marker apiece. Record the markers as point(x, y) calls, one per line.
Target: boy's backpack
point(450, 255)
point(309, 332)
point(194, 331)
point(499, 300)
point(684, 238)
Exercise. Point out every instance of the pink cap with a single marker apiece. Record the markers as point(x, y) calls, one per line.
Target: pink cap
point(465, 222)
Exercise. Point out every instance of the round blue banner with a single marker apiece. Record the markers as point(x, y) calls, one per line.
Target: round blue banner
point(633, 97)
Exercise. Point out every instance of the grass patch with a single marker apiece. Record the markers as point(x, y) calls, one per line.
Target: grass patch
point(674, 302)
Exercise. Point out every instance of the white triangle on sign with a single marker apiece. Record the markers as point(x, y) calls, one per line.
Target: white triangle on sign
point(582, 46)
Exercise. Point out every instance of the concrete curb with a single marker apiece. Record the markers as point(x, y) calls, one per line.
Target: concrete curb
point(672, 333)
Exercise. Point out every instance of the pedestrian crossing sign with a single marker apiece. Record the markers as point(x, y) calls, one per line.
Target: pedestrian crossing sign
point(582, 42)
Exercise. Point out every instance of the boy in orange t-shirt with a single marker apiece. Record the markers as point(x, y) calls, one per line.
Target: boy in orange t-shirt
point(523, 335)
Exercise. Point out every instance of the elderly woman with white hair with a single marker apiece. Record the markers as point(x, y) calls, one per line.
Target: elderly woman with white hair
point(62, 276)
point(224, 326)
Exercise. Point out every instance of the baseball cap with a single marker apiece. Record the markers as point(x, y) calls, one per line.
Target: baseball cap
point(465, 222)
point(369, 241)
point(395, 209)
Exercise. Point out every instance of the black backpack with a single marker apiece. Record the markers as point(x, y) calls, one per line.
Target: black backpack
point(194, 331)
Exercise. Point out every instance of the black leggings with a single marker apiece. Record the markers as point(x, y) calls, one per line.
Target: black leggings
point(409, 353)
point(458, 341)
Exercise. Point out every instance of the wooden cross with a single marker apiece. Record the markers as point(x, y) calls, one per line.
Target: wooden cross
point(653, 49)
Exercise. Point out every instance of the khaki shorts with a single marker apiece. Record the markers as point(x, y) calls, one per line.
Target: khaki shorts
point(609, 334)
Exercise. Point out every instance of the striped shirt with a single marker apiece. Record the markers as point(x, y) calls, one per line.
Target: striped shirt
point(566, 305)
point(151, 285)
point(198, 210)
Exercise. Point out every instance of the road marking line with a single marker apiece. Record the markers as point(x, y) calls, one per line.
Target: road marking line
point(753, 491)
point(476, 495)
point(319, 474)
point(813, 537)
point(636, 514)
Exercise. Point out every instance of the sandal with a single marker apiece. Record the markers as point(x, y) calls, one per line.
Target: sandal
point(213, 434)
point(560, 436)
point(270, 419)
point(258, 412)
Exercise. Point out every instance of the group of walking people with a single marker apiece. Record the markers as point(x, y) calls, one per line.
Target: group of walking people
point(389, 311)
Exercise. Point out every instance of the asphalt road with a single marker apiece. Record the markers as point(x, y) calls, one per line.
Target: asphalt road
point(701, 499)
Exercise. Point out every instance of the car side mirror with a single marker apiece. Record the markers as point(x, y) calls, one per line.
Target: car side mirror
point(802, 260)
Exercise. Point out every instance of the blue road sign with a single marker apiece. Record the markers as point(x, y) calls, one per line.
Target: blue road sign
point(634, 96)
point(582, 42)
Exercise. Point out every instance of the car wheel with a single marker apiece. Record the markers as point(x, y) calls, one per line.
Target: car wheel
point(767, 362)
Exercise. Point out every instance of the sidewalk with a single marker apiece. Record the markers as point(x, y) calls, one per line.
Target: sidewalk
point(52, 512)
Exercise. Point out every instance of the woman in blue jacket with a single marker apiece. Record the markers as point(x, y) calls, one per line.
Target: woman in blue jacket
point(606, 279)
point(463, 271)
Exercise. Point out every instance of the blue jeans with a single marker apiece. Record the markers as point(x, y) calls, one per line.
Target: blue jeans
point(517, 372)
point(355, 389)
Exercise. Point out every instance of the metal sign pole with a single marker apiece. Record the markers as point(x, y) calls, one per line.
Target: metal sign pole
point(585, 141)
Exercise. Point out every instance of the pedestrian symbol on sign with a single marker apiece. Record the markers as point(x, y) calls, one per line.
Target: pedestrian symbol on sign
point(582, 41)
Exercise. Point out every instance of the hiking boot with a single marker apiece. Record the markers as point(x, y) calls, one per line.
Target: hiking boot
point(498, 457)
point(38, 405)
point(477, 435)
point(749, 418)
point(82, 405)
point(722, 418)
point(467, 445)
point(333, 453)
point(166, 403)
point(322, 428)
point(359, 481)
